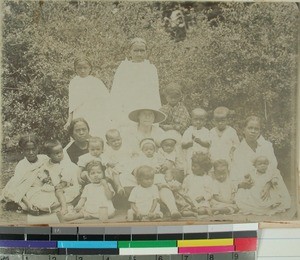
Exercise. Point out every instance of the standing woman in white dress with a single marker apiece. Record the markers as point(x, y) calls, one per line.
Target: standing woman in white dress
point(135, 84)
point(88, 98)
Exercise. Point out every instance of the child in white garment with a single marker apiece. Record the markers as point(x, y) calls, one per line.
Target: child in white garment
point(171, 154)
point(59, 175)
point(223, 137)
point(95, 147)
point(184, 204)
point(117, 158)
point(96, 194)
point(223, 189)
point(196, 137)
point(88, 98)
point(144, 197)
point(149, 155)
point(198, 186)
point(268, 194)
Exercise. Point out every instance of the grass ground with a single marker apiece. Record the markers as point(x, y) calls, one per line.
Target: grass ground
point(10, 159)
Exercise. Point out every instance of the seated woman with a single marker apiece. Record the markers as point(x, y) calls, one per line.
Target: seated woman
point(25, 176)
point(246, 177)
point(79, 131)
point(146, 119)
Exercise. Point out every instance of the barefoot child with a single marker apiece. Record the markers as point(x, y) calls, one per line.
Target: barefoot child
point(25, 177)
point(198, 186)
point(183, 202)
point(117, 158)
point(97, 194)
point(59, 175)
point(144, 197)
point(256, 200)
point(223, 190)
point(95, 147)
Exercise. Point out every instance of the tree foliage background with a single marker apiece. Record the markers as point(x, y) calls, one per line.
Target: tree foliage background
point(244, 58)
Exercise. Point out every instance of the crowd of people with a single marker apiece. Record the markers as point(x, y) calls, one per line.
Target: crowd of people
point(129, 153)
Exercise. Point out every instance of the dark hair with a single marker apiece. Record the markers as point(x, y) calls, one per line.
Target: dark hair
point(74, 122)
point(202, 160)
point(29, 138)
point(253, 118)
point(49, 145)
point(95, 163)
point(173, 89)
point(82, 59)
point(143, 171)
point(220, 162)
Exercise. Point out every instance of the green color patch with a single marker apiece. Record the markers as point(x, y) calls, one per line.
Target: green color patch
point(147, 243)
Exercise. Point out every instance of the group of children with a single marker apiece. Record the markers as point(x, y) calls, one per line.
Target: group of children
point(190, 160)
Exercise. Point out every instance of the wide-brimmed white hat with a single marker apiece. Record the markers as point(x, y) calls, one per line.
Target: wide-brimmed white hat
point(158, 115)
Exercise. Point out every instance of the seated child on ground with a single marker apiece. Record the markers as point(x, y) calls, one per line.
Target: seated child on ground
point(98, 193)
point(223, 190)
point(95, 146)
point(198, 186)
point(196, 137)
point(268, 194)
point(172, 157)
point(184, 204)
point(177, 115)
point(116, 158)
point(59, 175)
point(149, 155)
point(223, 137)
point(144, 197)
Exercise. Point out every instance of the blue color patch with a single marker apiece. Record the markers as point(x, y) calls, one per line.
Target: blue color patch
point(87, 244)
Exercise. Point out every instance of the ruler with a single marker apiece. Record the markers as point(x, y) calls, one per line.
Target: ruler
point(210, 242)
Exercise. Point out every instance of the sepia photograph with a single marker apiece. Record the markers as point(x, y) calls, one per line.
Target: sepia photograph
point(127, 112)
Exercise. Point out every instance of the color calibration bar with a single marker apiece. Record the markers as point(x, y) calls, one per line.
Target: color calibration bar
point(229, 241)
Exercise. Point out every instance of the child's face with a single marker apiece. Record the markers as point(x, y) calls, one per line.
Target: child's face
point(198, 120)
point(95, 149)
point(147, 181)
point(221, 173)
point(169, 176)
point(56, 154)
point(148, 150)
point(30, 151)
point(114, 141)
point(220, 121)
point(168, 145)
point(173, 99)
point(197, 169)
point(138, 52)
point(261, 165)
point(96, 174)
point(83, 69)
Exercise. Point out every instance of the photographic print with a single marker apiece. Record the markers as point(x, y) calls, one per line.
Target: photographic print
point(120, 112)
